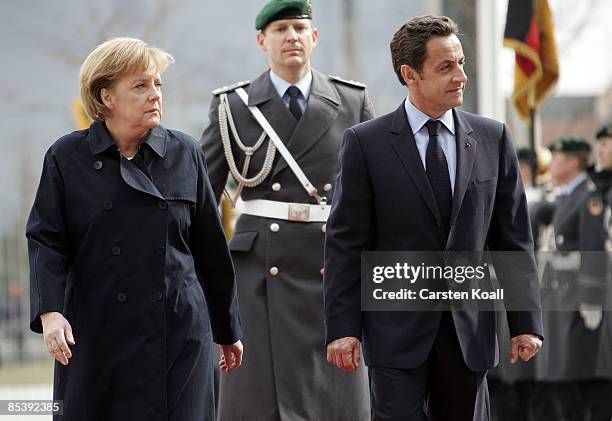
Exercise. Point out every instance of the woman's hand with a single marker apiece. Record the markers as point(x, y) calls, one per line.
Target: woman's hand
point(57, 334)
point(231, 357)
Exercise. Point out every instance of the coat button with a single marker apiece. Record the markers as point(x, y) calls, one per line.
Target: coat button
point(273, 271)
point(324, 228)
point(322, 271)
point(157, 296)
point(108, 205)
point(98, 165)
point(122, 297)
point(327, 187)
point(274, 227)
point(116, 250)
point(560, 239)
point(162, 205)
point(276, 186)
point(161, 250)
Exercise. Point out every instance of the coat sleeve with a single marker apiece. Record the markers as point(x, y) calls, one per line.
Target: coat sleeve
point(213, 262)
point(511, 240)
point(213, 149)
point(593, 274)
point(47, 244)
point(348, 233)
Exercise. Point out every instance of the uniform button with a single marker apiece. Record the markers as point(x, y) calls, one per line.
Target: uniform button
point(157, 296)
point(324, 228)
point(322, 271)
point(161, 250)
point(327, 187)
point(554, 284)
point(121, 297)
point(116, 250)
point(273, 271)
point(162, 205)
point(560, 239)
point(98, 165)
point(276, 186)
point(108, 205)
point(274, 227)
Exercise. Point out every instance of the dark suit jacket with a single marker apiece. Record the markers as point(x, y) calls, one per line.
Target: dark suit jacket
point(383, 201)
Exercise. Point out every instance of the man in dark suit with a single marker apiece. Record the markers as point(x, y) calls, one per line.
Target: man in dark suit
point(428, 177)
point(277, 247)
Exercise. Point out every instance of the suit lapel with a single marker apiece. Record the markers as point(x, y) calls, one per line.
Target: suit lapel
point(263, 95)
point(323, 108)
point(466, 153)
point(408, 153)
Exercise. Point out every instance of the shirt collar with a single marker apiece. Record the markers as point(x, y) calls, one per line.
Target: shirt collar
point(101, 139)
point(568, 188)
point(281, 85)
point(417, 118)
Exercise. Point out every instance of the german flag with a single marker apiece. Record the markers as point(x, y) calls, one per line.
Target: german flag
point(530, 32)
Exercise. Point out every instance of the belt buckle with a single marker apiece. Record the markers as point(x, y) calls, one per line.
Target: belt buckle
point(298, 212)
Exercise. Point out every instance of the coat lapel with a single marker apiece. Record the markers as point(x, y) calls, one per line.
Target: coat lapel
point(407, 151)
point(136, 179)
point(323, 108)
point(263, 95)
point(466, 153)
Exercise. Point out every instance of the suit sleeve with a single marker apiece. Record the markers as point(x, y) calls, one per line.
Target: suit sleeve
point(213, 149)
point(367, 111)
point(213, 262)
point(48, 248)
point(511, 240)
point(348, 233)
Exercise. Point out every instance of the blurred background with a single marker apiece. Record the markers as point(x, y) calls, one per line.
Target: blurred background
point(43, 43)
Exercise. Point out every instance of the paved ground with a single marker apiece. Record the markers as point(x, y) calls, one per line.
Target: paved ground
point(30, 391)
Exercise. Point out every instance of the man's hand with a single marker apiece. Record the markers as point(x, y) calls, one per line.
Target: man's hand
point(524, 346)
point(231, 356)
point(57, 334)
point(345, 353)
point(591, 315)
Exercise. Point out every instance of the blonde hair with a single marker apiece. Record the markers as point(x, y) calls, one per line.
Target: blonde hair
point(110, 61)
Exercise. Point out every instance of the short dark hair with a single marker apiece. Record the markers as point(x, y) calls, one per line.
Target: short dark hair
point(409, 43)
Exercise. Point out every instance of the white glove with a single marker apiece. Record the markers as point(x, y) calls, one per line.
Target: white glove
point(591, 315)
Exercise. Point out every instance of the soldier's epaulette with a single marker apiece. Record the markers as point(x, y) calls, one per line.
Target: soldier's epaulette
point(230, 88)
point(352, 83)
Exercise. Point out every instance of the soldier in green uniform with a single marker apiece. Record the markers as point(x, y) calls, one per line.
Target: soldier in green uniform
point(573, 368)
point(279, 137)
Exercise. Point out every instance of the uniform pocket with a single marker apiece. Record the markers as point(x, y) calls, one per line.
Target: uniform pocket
point(484, 183)
point(243, 241)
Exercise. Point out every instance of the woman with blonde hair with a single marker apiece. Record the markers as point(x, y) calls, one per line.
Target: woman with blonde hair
point(131, 279)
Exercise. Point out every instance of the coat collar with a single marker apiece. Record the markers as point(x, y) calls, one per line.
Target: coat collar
point(101, 139)
point(262, 89)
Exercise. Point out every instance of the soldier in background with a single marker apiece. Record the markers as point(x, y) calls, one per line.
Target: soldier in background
point(277, 247)
point(574, 286)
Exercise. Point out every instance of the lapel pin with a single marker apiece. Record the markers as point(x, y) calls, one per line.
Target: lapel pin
point(467, 145)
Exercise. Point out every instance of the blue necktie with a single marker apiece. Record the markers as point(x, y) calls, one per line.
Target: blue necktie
point(437, 172)
point(294, 106)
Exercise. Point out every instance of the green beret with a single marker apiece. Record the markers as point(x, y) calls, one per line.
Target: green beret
point(570, 144)
point(283, 9)
point(524, 153)
point(605, 131)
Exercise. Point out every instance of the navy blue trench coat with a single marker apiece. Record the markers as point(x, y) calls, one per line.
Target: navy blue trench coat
point(133, 254)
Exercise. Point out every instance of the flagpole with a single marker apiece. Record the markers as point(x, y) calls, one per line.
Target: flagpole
point(533, 116)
